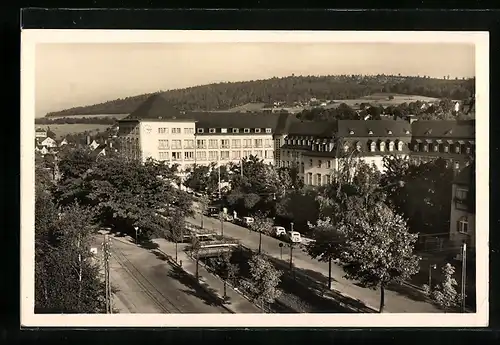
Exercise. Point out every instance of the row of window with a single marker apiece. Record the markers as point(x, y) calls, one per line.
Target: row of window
point(176, 130)
point(234, 130)
point(214, 155)
point(445, 147)
point(317, 179)
point(214, 143)
point(381, 146)
point(449, 162)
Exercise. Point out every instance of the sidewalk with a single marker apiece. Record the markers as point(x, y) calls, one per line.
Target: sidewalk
point(237, 303)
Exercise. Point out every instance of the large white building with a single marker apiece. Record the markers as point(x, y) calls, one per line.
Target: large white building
point(159, 131)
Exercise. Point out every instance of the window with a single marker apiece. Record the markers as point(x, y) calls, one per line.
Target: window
point(224, 144)
point(382, 146)
point(247, 153)
point(318, 179)
point(445, 148)
point(200, 130)
point(258, 143)
point(176, 131)
point(201, 144)
point(269, 154)
point(176, 156)
point(327, 179)
point(188, 143)
point(435, 147)
point(236, 130)
point(370, 132)
point(467, 150)
point(400, 146)
point(188, 155)
point(246, 130)
point(309, 178)
point(457, 148)
point(310, 163)
point(415, 147)
point(223, 130)
point(212, 143)
point(257, 130)
point(258, 153)
point(163, 130)
point(389, 132)
point(247, 142)
point(236, 155)
point(461, 193)
point(268, 130)
point(163, 155)
point(302, 167)
point(351, 132)
point(391, 146)
point(373, 146)
point(176, 144)
point(457, 165)
point(224, 155)
point(236, 143)
point(319, 163)
point(213, 155)
point(201, 155)
point(328, 164)
point(211, 130)
point(268, 143)
point(463, 225)
point(188, 130)
point(163, 144)
point(358, 146)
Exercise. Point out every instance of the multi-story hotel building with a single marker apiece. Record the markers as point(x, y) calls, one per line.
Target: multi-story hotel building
point(159, 131)
point(453, 141)
point(462, 214)
point(317, 149)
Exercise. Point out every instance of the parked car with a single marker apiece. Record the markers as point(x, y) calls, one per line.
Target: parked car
point(247, 221)
point(279, 231)
point(294, 237)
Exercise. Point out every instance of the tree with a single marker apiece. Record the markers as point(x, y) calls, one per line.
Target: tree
point(265, 278)
point(261, 224)
point(445, 294)
point(225, 267)
point(203, 203)
point(175, 230)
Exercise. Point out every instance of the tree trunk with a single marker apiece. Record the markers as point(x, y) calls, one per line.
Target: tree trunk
point(382, 298)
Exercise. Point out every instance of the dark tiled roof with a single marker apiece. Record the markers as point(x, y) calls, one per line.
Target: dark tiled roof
point(317, 129)
point(379, 128)
point(233, 120)
point(444, 129)
point(155, 107)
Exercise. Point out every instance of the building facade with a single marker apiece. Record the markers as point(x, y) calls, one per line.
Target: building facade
point(462, 214)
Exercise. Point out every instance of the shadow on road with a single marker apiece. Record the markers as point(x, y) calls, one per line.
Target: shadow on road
point(148, 244)
point(408, 292)
point(159, 255)
point(194, 288)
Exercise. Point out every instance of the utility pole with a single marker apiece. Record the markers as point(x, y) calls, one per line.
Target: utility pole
point(241, 170)
point(220, 196)
point(329, 273)
point(106, 252)
point(464, 276)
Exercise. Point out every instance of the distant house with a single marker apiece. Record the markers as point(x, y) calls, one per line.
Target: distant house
point(63, 142)
point(48, 143)
point(44, 150)
point(93, 145)
point(463, 214)
point(100, 150)
point(40, 133)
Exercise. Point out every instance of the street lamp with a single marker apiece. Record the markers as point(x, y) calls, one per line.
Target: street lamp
point(136, 230)
point(431, 267)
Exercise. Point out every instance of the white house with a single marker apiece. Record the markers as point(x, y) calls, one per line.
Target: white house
point(48, 143)
point(93, 145)
point(63, 142)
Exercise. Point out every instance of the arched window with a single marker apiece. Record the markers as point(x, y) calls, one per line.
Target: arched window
point(382, 146)
point(391, 146)
point(373, 146)
point(358, 146)
point(400, 146)
point(463, 225)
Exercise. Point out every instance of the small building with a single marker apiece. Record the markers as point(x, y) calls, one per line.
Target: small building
point(94, 145)
point(63, 142)
point(41, 133)
point(100, 150)
point(463, 214)
point(48, 143)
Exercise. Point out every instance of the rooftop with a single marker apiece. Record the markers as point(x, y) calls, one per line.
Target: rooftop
point(443, 129)
point(375, 128)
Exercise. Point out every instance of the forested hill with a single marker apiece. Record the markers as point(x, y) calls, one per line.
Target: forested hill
point(223, 96)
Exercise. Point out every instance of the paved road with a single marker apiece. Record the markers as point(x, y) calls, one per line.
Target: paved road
point(395, 301)
point(148, 284)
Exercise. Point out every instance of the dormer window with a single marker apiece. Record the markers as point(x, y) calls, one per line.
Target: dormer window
point(449, 132)
point(429, 131)
point(246, 130)
point(200, 130)
point(467, 150)
point(211, 130)
point(358, 146)
point(223, 130)
point(382, 146)
point(400, 146)
point(435, 147)
point(236, 130)
point(407, 131)
point(351, 132)
point(445, 148)
point(373, 146)
point(457, 148)
point(391, 146)
point(268, 130)
point(370, 132)
point(346, 147)
point(389, 132)
point(415, 147)
point(257, 130)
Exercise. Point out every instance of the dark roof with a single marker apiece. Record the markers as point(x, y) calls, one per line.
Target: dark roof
point(309, 128)
point(379, 128)
point(285, 121)
point(233, 120)
point(444, 129)
point(155, 107)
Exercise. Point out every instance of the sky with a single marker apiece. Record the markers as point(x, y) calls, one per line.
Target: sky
point(78, 74)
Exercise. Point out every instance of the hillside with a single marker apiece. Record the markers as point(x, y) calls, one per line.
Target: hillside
point(224, 96)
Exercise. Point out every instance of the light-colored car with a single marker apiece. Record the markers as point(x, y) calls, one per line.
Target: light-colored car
point(294, 237)
point(279, 231)
point(247, 221)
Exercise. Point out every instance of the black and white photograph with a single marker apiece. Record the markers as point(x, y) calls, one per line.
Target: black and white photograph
point(263, 174)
